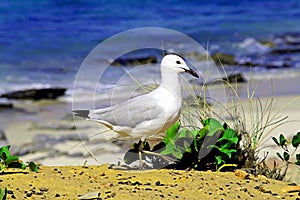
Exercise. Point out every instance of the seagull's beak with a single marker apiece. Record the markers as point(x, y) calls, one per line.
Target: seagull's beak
point(191, 72)
point(190, 69)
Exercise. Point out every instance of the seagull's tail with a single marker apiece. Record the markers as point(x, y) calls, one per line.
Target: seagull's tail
point(81, 113)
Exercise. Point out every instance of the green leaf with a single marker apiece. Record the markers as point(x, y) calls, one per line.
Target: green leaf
point(172, 149)
point(2, 167)
point(171, 133)
point(33, 167)
point(230, 135)
point(213, 123)
point(278, 154)
point(214, 126)
point(286, 156)
point(4, 152)
point(219, 160)
point(202, 133)
point(11, 159)
point(282, 140)
point(183, 133)
point(195, 133)
point(3, 194)
point(226, 151)
point(276, 141)
point(187, 144)
point(296, 140)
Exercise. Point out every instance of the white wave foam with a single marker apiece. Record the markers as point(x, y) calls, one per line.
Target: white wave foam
point(251, 45)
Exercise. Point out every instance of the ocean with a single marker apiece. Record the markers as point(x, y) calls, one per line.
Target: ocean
point(43, 43)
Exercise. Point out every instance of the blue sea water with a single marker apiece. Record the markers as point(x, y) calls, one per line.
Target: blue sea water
point(44, 42)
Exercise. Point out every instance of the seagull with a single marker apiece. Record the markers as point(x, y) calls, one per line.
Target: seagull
point(149, 114)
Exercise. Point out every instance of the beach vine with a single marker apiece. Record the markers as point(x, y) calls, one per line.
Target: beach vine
point(12, 161)
point(287, 154)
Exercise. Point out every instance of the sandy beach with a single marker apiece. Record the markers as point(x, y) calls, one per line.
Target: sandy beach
point(100, 182)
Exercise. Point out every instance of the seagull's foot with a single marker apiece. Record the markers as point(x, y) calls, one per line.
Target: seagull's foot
point(143, 151)
point(168, 159)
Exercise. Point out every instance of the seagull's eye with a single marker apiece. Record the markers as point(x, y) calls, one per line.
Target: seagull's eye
point(178, 62)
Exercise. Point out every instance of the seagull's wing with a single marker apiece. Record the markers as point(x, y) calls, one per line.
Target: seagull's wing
point(131, 113)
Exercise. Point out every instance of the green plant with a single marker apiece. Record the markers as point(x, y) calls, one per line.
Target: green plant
point(33, 167)
point(3, 194)
point(254, 121)
point(282, 142)
point(11, 161)
point(212, 147)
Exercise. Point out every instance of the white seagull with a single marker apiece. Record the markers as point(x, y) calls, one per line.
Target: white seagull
point(148, 114)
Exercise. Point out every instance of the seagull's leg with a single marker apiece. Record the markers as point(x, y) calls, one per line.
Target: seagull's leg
point(140, 149)
point(140, 160)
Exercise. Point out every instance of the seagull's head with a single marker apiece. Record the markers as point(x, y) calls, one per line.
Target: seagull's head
point(178, 64)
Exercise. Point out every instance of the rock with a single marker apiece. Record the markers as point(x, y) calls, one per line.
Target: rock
point(241, 174)
point(36, 94)
point(134, 61)
point(3, 140)
point(292, 39)
point(270, 63)
point(90, 195)
point(5, 105)
point(224, 59)
point(268, 43)
point(277, 64)
point(232, 78)
point(235, 78)
point(2, 135)
point(286, 50)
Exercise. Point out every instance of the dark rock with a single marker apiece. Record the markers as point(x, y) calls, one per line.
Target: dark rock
point(5, 105)
point(2, 135)
point(232, 78)
point(57, 195)
point(248, 62)
point(134, 61)
point(36, 94)
point(270, 64)
point(286, 50)
point(235, 78)
point(277, 64)
point(43, 189)
point(224, 59)
point(292, 38)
